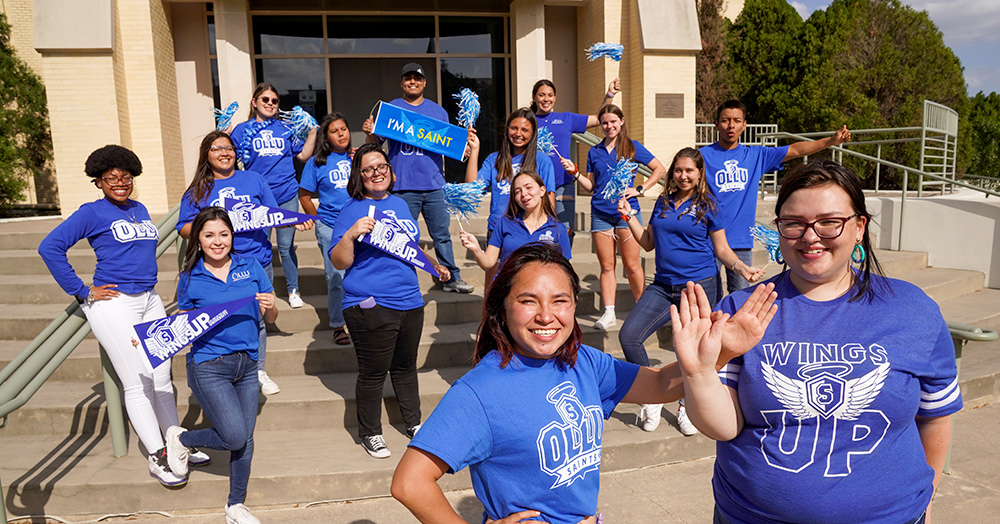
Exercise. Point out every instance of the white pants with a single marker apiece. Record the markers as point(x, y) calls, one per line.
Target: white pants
point(149, 398)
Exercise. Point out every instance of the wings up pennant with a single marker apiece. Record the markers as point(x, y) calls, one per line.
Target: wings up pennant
point(392, 237)
point(162, 338)
point(247, 216)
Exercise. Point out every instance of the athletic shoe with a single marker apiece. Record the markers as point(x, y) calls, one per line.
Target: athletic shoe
point(295, 300)
point(457, 286)
point(375, 446)
point(685, 425)
point(177, 453)
point(160, 470)
point(267, 386)
point(412, 431)
point(198, 458)
point(607, 320)
point(239, 514)
point(650, 414)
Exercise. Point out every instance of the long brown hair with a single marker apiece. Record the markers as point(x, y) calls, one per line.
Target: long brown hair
point(261, 87)
point(514, 209)
point(702, 200)
point(204, 179)
point(534, 91)
point(505, 157)
point(493, 331)
point(623, 144)
point(193, 252)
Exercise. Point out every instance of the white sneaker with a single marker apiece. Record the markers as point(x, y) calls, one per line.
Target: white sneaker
point(684, 423)
point(267, 386)
point(198, 458)
point(607, 320)
point(649, 416)
point(177, 453)
point(160, 470)
point(375, 446)
point(239, 514)
point(295, 300)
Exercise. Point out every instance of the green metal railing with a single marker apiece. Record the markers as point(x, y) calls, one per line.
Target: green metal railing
point(962, 334)
point(25, 374)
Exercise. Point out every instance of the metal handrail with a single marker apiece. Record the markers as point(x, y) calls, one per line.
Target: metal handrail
point(962, 334)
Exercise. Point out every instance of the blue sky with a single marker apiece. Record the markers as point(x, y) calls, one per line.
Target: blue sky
point(971, 29)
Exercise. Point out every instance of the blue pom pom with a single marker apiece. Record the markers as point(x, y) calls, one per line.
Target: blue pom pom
point(546, 141)
point(222, 118)
point(769, 239)
point(612, 51)
point(300, 122)
point(468, 107)
point(463, 200)
point(622, 178)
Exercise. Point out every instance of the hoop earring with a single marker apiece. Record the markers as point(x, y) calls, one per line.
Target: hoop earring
point(777, 256)
point(858, 255)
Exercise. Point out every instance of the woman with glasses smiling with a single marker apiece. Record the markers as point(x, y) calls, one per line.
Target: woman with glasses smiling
point(842, 412)
point(122, 295)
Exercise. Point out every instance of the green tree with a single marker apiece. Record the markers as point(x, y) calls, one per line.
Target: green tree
point(713, 82)
point(25, 142)
point(984, 134)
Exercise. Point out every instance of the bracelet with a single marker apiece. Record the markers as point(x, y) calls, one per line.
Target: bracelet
point(736, 264)
point(609, 94)
point(90, 296)
point(626, 217)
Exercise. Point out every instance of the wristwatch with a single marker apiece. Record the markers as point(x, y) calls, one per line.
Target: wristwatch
point(641, 189)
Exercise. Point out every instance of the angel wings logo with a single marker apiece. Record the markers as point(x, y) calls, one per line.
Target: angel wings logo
point(824, 410)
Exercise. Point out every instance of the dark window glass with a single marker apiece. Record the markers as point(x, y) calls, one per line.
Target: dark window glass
point(211, 36)
point(380, 34)
point(288, 35)
point(471, 35)
point(216, 95)
point(300, 82)
point(488, 78)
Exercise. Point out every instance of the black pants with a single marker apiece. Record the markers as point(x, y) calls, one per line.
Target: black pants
point(385, 340)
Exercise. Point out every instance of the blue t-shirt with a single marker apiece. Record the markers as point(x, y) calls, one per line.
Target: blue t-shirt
point(602, 163)
point(124, 241)
point(241, 331)
point(500, 189)
point(531, 432)
point(247, 186)
point(733, 176)
point(829, 397)
point(271, 152)
point(417, 169)
point(511, 234)
point(375, 273)
point(683, 248)
point(562, 126)
point(330, 181)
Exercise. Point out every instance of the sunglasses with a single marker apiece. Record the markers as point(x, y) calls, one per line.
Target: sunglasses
point(268, 100)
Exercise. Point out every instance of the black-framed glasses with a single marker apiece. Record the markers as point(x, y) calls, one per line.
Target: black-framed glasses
point(370, 171)
point(218, 149)
point(268, 100)
point(115, 180)
point(829, 227)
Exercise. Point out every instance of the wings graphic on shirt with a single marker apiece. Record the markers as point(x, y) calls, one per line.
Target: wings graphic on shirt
point(859, 393)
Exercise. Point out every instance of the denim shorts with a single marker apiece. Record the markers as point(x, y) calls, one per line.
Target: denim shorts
point(603, 222)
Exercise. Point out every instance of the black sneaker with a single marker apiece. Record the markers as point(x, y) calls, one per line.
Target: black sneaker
point(375, 446)
point(412, 431)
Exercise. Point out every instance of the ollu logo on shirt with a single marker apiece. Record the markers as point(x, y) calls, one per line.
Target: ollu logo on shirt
point(547, 237)
point(570, 447)
point(340, 174)
point(269, 145)
point(241, 275)
point(128, 231)
point(732, 177)
point(230, 193)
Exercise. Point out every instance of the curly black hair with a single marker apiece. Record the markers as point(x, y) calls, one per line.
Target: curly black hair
point(110, 157)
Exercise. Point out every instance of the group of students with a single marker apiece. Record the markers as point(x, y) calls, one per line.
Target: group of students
point(768, 360)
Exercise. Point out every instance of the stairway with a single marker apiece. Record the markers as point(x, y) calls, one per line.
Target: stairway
point(56, 456)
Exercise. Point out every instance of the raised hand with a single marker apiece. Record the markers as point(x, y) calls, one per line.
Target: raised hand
point(842, 135)
point(369, 125)
point(697, 332)
point(470, 242)
point(746, 327)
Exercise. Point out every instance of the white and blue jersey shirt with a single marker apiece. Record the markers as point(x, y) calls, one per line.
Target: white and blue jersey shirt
point(417, 169)
point(683, 248)
point(500, 189)
point(330, 181)
point(375, 273)
point(602, 163)
point(123, 238)
point(511, 233)
point(562, 126)
point(241, 331)
point(829, 397)
point(531, 432)
point(271, 152)
point(733, 176)
point(245, 186)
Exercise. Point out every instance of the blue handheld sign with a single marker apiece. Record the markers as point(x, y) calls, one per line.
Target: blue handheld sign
point(248, 216)
point(162, 338)
point(420, 131)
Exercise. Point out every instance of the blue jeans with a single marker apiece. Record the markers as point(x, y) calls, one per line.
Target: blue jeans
point(438, 222)
point(566, 205)
point(735, 281)
point(334, 277)
point(286, 248)
point(651, 313)
point(262, 350)
point(227, 391)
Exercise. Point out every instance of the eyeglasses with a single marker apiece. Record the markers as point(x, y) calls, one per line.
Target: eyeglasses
point(218, 149)
point(829, 227)
point(370, 171)
point(115, 180)
point(269, 100)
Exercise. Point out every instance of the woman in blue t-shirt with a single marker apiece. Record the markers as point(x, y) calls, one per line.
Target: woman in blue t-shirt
point(221, 365)
point(842, 411)
point(122, 295)
point(528, 419)
point(267, 145)
point(562, 126)
point(529, 218)
point(383, 306)
point(327, 174)
point(215, 180)
point(607, 226)
point(688, 237)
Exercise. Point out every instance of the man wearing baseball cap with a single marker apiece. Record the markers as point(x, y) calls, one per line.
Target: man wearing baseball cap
point(420, 173)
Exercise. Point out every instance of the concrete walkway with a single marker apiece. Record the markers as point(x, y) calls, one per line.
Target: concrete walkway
point(668, 494)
